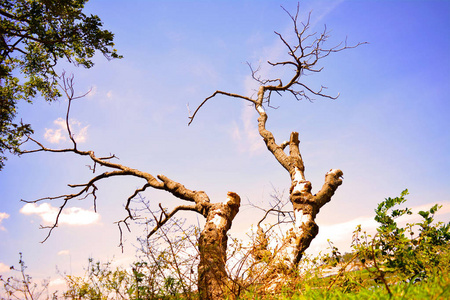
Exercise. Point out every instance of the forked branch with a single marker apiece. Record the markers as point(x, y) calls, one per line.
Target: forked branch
point(89, 188)
point(305, 52)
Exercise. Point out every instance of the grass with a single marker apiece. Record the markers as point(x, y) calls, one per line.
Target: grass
point(436, 287)
point(356, 285)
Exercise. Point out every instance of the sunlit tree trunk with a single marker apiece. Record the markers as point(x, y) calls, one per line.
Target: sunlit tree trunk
point(213, 246)
point(305, 205)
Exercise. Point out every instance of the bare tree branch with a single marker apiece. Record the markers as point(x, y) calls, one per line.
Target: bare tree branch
point(191, 118)
point(124, 221)
point(305, 53)
point(127, 206)
point(167, 216)
point(89, 188)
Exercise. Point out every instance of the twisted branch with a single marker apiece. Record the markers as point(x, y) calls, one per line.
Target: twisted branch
point(89, 188)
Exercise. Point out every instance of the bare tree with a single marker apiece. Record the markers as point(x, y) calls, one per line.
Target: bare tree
point(219, 216)
point(304, 54)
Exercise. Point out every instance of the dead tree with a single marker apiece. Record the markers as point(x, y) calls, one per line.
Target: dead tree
point(219, 216)
point(304, 55)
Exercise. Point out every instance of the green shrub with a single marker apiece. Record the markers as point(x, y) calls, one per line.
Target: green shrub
point(395, 263)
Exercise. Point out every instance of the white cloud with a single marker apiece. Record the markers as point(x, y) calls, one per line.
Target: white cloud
point(235, 132)
point(70, 216)
point(54, 136)
point(64, 252)
point(246, 133)
point(60, 122)
point(4, 268)
point(59, 135)
point(340, 234)
point(2, 217)
point(199, 68)
point(249, 117)
point(324, 9)
point(109, 94)
point(79, 132)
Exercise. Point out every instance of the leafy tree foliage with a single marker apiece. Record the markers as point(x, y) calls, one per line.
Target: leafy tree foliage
point(35, 35)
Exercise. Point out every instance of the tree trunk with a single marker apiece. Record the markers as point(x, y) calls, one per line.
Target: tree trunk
point(306, 207)
point(212, 276)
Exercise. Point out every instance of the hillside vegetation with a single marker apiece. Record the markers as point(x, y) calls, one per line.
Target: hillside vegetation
point(409, 262)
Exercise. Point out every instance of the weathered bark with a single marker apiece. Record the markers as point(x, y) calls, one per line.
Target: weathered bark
point(212, 276)
point(306, 207)
point(305, 204)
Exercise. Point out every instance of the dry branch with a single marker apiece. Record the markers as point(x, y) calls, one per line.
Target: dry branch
point(89, 188)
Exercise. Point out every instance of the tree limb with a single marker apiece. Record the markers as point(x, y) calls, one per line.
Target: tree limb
point(161, 182)
point(191, 118)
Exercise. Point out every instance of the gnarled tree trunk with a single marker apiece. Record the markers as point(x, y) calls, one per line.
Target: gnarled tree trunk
point(212, 276)
point(305, 205)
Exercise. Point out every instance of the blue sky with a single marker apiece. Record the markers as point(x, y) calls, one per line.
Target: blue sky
point(387, 131)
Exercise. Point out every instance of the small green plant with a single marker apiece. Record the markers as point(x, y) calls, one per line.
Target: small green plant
point(409, 257)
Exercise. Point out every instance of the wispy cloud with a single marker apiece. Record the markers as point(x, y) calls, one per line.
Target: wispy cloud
point(319, 9)
point(70, 216)
point(80, 132)
point(2, 217)
point(246, 133)
point(59, 134)
point(203, 70)
point(340, 234)
point(56, 136)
